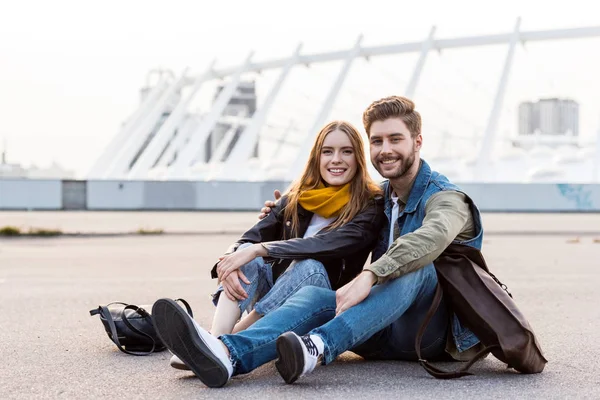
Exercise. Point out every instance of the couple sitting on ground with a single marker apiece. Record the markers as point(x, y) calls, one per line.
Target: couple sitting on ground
point(300, 273)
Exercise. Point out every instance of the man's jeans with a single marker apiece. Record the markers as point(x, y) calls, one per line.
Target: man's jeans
point(383, 326)
point(265, 296)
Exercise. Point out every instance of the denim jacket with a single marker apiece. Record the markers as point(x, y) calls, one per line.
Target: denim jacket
point(411, 218)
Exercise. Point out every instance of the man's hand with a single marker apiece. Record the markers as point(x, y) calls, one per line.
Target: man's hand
point(269, 204)
point(354, 291)
point(232, 287)
point(234, 261)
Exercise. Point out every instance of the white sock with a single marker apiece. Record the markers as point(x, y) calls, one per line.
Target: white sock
point(318, 342)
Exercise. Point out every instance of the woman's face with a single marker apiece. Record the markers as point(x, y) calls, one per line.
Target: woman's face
point(338, 159)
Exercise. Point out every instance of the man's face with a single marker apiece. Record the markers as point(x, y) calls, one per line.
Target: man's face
point(393, 149)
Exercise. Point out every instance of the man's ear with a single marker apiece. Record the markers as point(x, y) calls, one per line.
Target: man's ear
point(418, 142)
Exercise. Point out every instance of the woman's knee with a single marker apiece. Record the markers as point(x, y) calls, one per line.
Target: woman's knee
point(308, 267)
point(310, 264)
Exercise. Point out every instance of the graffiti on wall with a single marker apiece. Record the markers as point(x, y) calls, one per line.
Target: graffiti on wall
point(580, 195)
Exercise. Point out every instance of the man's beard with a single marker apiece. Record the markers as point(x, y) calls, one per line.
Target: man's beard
point(405, 166)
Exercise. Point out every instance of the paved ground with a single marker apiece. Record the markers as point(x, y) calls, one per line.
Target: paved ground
point(51, 348)
point(106, 222)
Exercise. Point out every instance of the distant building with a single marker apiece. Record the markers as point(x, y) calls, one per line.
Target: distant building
point(557, 117)
point(17, 171)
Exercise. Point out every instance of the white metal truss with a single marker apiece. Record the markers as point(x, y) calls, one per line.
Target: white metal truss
point(167, 130)
point(249, 138)
point(415, 47)
point(162, 138)
point(187, 155)
point(216, 165)
point(99, 169)
point(120, 166)
point(489, 135)
point(414, 80)
point(184, 131)
point(300, 161)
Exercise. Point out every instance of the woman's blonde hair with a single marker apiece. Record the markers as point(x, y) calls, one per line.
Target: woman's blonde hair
point(362, 187)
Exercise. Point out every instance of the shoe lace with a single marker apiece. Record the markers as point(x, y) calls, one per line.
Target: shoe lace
point(310, 346)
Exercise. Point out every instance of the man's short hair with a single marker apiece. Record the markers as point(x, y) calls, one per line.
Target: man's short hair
point(393, 107)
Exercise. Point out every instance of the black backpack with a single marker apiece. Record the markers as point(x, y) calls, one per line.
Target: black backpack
point(131, 328)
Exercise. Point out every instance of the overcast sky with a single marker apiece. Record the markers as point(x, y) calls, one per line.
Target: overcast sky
point(70, 71)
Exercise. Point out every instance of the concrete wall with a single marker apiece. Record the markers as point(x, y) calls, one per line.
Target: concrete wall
point(28, 194)
point(174, 195)
point(241, 196)
point(115, 195)
point(538, 197)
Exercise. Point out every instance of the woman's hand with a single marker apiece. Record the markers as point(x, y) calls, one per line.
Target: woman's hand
point(234, 261)
point(232, 287)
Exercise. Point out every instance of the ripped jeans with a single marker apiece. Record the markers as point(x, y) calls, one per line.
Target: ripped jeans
point(265, 296)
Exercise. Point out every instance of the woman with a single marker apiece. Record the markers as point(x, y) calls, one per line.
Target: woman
point(320, 233)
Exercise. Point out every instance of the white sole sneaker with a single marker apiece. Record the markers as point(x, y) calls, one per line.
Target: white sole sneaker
point(176, 363)
point(198, 349)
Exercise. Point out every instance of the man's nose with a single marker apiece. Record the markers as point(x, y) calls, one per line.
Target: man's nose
point(386, 147)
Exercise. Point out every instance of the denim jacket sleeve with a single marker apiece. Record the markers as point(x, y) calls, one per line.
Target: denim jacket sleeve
point(360, 233)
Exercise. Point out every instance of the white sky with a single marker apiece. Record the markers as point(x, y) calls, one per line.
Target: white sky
point(70, 71)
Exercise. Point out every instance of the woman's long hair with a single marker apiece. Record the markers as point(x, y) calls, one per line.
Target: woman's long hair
point(362, 187)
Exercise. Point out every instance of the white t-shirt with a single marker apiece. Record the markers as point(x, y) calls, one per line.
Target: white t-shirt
point(316, 224)
point(395, 212)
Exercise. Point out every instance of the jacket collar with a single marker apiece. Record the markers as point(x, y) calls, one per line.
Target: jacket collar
point(419, 187)
point(416, 192)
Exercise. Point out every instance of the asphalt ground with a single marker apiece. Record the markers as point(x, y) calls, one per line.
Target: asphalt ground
point(50, 347)
point(198, 222)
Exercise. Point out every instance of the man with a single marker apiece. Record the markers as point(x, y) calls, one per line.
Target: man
point(377, 314)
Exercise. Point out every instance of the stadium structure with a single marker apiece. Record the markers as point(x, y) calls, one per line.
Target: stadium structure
point(172, 137)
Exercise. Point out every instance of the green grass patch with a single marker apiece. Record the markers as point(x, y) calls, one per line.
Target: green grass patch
point(10, 231)
point(15, 231)
point(44, 232)
point(144, 231)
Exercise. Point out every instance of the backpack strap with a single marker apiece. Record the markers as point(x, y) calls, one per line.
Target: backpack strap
point(105, 313)
point(434, 371)
point(187, 307)
point(144, 314)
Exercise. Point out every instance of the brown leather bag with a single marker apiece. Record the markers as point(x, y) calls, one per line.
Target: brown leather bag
point(485, 306)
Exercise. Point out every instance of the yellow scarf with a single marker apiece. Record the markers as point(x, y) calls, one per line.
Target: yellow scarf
point(326, 201)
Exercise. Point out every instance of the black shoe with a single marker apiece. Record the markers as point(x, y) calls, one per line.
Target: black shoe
point(297, 356)
point(195, 346)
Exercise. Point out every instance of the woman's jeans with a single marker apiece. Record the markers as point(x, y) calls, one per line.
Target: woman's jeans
point(383, 326)
point(265, 296)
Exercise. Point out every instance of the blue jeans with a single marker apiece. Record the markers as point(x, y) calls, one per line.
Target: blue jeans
point(383, 326)
point(265, 296)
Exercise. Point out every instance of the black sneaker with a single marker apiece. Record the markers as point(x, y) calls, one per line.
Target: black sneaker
point(192, 344)
point(297, 356)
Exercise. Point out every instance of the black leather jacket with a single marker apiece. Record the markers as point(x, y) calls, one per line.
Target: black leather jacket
point(343, 251)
